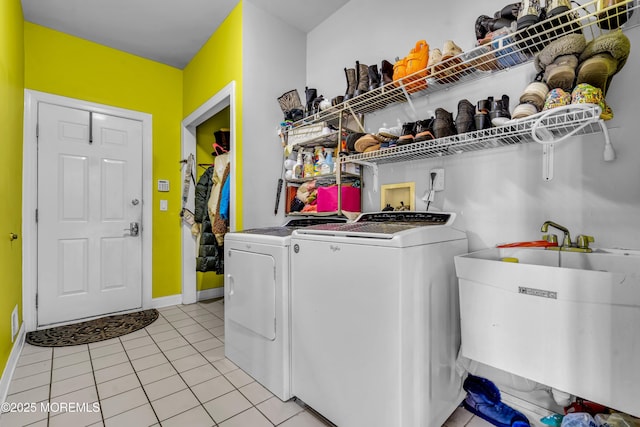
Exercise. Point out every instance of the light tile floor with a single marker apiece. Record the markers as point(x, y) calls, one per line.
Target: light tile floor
point(172, 373)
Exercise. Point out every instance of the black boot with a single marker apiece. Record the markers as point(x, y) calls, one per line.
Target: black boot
point(362, 79)
point(465, 120)
point(408, 133)
point(485, 25)
point(386, 71)
point(443, 125)
point(374, 77)
point(350, 73)
point(500, 109)
point(509, 12)
point(424, 130)
point(316, 104)
point(311, 96)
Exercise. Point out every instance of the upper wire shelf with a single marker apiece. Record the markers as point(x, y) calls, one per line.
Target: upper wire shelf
point(502, 53)
point(546, 127)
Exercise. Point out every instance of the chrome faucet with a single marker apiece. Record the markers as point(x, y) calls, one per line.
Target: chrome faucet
point(566, 242)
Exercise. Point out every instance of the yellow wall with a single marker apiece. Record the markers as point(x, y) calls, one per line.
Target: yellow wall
point(64, 65)
point(204, 140)
point(218, 63)
point(11, 116)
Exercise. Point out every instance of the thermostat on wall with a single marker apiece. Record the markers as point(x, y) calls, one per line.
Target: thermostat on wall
point(163, 185)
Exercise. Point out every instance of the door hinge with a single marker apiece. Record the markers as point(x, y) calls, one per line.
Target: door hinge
point(36, 300)
point(36, 215)
point(37, 130)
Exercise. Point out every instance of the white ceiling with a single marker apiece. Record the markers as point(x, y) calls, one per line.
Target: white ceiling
point(166, 31)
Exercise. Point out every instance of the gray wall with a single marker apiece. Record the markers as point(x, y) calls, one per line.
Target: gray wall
point(273, 62)
point(499, 194)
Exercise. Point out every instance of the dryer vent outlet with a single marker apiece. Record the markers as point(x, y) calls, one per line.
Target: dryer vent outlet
point(14, 322)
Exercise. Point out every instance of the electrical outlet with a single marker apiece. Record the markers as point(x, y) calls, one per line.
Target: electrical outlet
point(14, 323)
point(438, 182)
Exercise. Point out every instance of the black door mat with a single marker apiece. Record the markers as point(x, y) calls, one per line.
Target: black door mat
point(91, 331)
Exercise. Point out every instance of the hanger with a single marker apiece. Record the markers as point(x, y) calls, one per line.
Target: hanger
point(219, 149)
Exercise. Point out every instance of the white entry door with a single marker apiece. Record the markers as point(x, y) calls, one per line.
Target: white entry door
point(89, 213)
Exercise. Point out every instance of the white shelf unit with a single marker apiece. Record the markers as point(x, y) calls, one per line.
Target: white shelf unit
point(514, 49)
point(547, 127)
point(331, 141)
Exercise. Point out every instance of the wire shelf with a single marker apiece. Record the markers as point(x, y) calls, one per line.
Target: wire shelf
point(546, 127)
point(507, 51)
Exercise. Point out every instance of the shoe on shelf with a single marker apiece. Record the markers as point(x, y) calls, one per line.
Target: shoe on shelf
point(351, 141)
point(602, 58)
point(528, 31)
point(448, 68)
point(556, 98)
point(529, 14)
point(482, 121)
point(366, 142)
point(350, 74)
point(524, 109)
point(408, 133)
point(464, 120)
point(485, 25)
point(362, 79)
point(443, 124)
point(499, 113)
point(509, 12)
point(386, 73)
point(585, 93)
point(556, 60)
point(374, 77)
point(424, 130)
point(535, 93)
point(560, 18)
point(390, 132)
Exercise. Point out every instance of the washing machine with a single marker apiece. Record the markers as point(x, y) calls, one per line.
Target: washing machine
point(256, 301)
point(375, 319)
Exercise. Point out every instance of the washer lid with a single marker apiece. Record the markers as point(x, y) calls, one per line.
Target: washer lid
point(291, 225)
point(402, 229)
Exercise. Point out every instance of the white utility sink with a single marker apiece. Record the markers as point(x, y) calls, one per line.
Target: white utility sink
point(569, 320)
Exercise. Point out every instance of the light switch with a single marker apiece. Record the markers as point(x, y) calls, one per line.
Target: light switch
point(164, 205)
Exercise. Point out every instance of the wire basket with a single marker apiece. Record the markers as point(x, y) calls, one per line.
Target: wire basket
point(502, 52)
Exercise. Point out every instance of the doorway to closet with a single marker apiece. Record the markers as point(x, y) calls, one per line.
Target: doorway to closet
point(224, 99)
point(87, 230)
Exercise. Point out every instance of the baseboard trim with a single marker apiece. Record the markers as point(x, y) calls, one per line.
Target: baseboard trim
point(177, 299)
point(10, 367)
point(166, 301)
point(210, 293)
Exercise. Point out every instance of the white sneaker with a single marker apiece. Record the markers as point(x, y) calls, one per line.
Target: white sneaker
point(390, 132)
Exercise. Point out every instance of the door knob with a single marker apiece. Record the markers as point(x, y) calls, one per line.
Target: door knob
point(134, 229)
point(135, 202)
point(13, 236)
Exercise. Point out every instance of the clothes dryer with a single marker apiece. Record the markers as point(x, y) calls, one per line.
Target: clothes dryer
point(256, 314)
point(374, 341)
